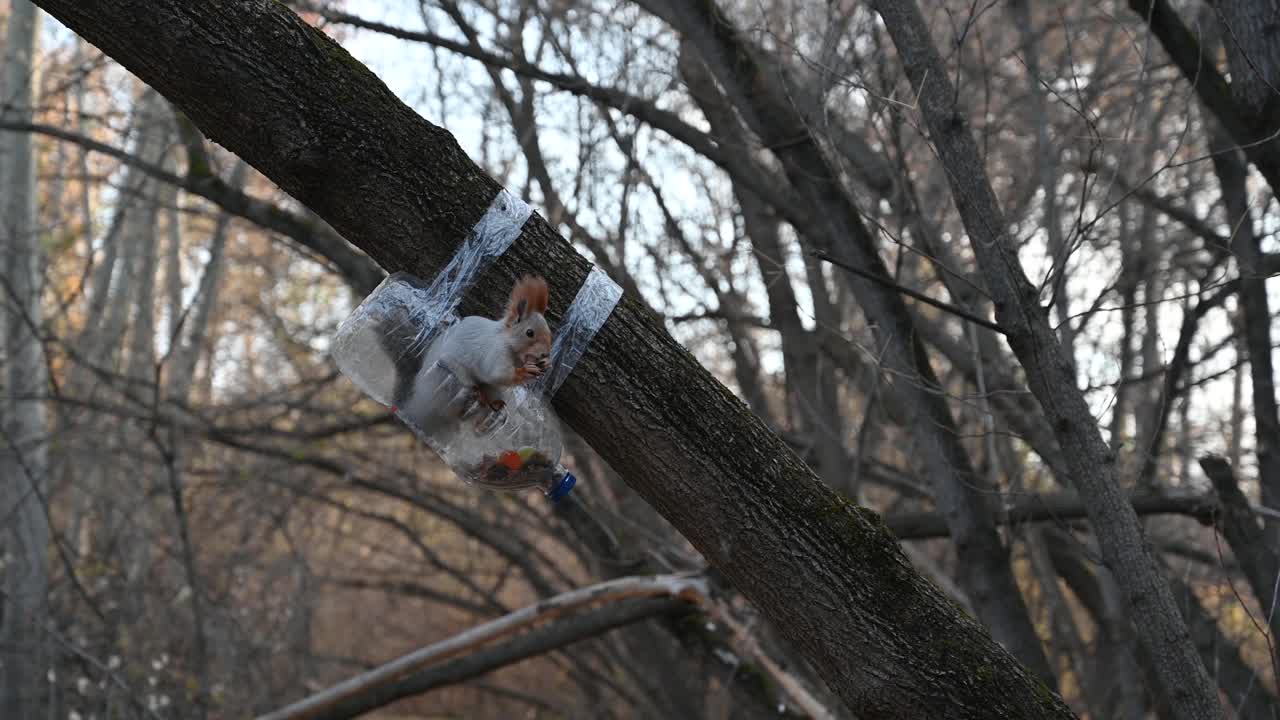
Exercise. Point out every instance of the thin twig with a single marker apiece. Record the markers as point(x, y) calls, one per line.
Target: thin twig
point(945, 307)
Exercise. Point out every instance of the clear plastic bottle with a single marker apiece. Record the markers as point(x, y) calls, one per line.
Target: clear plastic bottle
point(380, 347)
point(514, 448)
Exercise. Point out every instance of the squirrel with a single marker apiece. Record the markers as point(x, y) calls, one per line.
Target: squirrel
point(485, 356)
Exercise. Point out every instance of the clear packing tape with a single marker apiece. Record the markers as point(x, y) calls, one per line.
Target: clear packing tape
point(383, 345)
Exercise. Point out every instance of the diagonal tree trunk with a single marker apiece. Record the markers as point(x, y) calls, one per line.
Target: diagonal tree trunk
point(1239, 525)
point(296, 106)
point(1253, 55)
point(667, 684)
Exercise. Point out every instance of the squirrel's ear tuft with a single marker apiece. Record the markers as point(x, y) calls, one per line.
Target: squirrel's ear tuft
point(529, 295)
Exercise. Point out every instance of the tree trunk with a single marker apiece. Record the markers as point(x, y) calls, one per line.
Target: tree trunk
point(1147, 254)
point(80, 93)
point(1127, 289)
point(1255, 310)
point(142, 232)
point(188, 343)
point(296, 106)
point(1244, 691)
point(1161, 629)
point(24, 452)
point(115, 282)
point(1249, 29)
point(1046, 164)
point(172, 261)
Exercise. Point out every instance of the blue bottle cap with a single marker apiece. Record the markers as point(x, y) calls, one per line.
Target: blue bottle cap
point(563, 488)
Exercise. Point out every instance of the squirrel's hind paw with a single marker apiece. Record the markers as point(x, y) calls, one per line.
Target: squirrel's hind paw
point(494, 404)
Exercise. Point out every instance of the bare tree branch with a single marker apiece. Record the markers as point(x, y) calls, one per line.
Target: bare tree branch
point(354, 267)
point(689, 589)
point(1057, 508)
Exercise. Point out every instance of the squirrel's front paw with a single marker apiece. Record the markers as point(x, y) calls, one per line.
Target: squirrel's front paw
point(526, 372)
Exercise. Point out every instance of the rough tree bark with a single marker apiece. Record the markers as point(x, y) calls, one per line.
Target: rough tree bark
point(24, 539)
point(1249, 33)
point(1160, 626)
point(292, 103)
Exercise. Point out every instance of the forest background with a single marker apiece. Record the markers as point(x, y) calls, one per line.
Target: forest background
point(206, 519)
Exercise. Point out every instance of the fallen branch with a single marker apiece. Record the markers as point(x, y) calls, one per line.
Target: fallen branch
point(543, 639)
point(687, 588)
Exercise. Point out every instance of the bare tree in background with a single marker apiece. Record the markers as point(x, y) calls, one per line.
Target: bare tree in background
point(24, 455)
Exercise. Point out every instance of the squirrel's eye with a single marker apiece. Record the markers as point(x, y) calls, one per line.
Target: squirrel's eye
point(528, 333)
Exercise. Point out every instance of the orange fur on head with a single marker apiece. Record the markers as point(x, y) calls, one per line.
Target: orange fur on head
point(529, 295)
